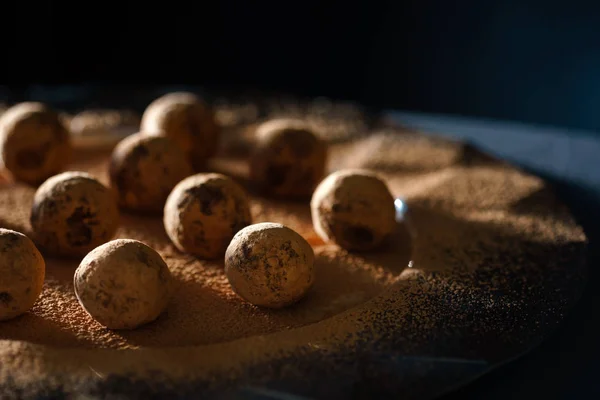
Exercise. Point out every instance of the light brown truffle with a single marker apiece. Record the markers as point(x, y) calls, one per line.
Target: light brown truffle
point(270, 265)
point(22, 271)
point(144, 170)
point(203, 213)
point(35, 144)
point(188, 121)
point(123, 284)
point(72, 213)
point(289, 159)
point(354, 209)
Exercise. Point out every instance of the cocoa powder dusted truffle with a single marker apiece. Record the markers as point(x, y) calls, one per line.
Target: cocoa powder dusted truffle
point(22, 270)
point(203, 213)
point(144, 170)
point(289, 159)
point(270, 265)
point(354, 209)
point(34, 142)
point(188, 121)
point(123, 284)
point(72, 213)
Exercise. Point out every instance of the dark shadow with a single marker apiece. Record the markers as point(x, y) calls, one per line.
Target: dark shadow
point(471, 156)
point(395, 253)
point(475, 265)
point(572, 343)
point(62, 269)
point(32, 328)
point(343, 281)
point(202, 312)
point(196, 315)
point(541, 202)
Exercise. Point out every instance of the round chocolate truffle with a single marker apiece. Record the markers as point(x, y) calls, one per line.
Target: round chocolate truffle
point(72, 213)
point(354, 209)
point(144, 170)
point(203, 213)
point(270, 265)
point(123, 284)
point(289, 158)
point(188, 121)
point(34, 142)
point(22, 270)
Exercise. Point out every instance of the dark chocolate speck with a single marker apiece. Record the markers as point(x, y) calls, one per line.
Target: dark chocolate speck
point(5, 298)
point(80, 233)
point(207, 195)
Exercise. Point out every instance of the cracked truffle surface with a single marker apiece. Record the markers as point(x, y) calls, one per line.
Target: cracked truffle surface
point(270, 265)
point(123, 284)
point(22, 271)
point(34, 142)
point(188, 121)
point(204, 212)
point(72, 213)
point(144, 170)
point(354, 209)
point(289, 158)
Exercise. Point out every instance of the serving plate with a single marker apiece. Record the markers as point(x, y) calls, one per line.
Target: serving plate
point(485, 262)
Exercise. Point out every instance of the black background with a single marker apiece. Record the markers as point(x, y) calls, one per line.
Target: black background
point(533, 61)
point(528, 60)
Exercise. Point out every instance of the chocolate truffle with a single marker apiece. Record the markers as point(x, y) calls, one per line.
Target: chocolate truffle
point(144, 170)
point(270, 265)
point(188, 121)
point(34, 142)
point(123, 284)
point(354, 209)
point(203, 213)
point(22, 270)
point(289, 158)
point(72, 213)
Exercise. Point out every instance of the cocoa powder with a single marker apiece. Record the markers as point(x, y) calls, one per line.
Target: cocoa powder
point(490, 276)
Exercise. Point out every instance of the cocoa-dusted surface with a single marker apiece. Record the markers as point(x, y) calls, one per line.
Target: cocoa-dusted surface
point(497, 262)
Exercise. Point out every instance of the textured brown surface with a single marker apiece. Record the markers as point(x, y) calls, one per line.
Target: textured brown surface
point(497, 261)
